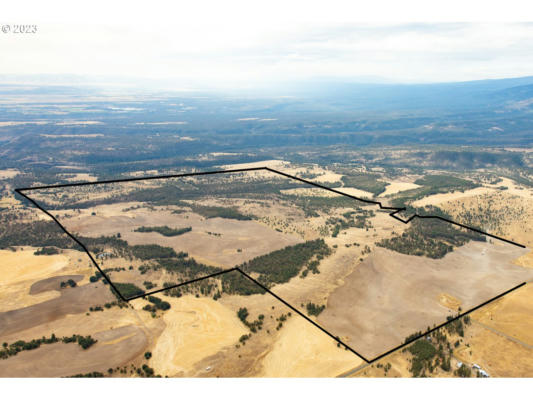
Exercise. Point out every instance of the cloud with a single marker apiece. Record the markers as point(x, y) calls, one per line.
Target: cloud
point(230, 53)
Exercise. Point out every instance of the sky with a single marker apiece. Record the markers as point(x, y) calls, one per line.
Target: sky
point(246, 43)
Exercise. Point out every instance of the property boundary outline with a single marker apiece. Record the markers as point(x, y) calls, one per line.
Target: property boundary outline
point(394, 211)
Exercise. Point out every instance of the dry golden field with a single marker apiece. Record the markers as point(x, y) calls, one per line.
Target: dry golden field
point(374, 297)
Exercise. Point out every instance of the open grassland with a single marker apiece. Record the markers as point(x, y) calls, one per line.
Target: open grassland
point(301, 350)
point(195, 328)
point(8, 173)
point(511, 314)
point(116, 347)
point(235, 241)
point(502, 213)
point(376, 310)
point(311, 172)
point(394, 187)
point(357, 291)
point(438, 199)
point(21, 269)
point(499, 356)
point(525, 261)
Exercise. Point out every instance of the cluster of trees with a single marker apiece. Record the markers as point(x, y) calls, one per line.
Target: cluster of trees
point(152, 251)
point(9, 350)
point(458, 325)
point(117, 303)
point(435, 350)
point(128, 289)
point(433, 184)
point(36, 234)
point(236, 283)
point(244, 338)
point(149, 285)
point(46, 251)
point(312, 266)
point(146, 371)
point(314, 309)
point(220, 212)
point(491, 213)
point(445, 183)
point(423, 352)
point(254, 326)
point(164, 230)
point(187, 267)
point(276, 267)
point(158, 304)
point(96, 277)
point(312, 205)
point(431, 238)
point(463, 371)
point(173, 191)
point(204, 287)
point(70, 283)
point(281, 265)
point(84, 341)
point(412, 336)
point(281, 319)
point(385, 367)
point(365, 181)
point(242, 314)
point(142, 371)
point(94, 374)
point(97, 245)
point(351, 219)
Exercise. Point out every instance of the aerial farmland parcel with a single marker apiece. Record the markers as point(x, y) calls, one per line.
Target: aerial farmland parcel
point(256, 240)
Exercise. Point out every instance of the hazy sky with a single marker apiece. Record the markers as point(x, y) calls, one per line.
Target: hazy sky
point(240, 43)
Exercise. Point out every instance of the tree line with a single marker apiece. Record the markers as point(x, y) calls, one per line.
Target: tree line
point(164, 230)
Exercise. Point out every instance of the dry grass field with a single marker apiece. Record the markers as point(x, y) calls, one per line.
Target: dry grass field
point(375, 309)
point(303, 351)
point(195, 328)
point(373, 297)
point(21, 269)
point(502, 213)
point(252, 238)
point(115, 347)
point(499, 356)
point(511, 315)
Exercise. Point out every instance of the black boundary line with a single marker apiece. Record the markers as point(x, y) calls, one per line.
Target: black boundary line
point(396, 209)
point(392, 214)
point(447, 322)
point(78, 242)
point(182, 283)
point(302, 315)
point(378, 203)
point(145, 178)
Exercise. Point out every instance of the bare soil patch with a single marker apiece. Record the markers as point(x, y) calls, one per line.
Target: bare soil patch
point(114, 348)
point(72, 301)
point(22, 268)
point(53, 283)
